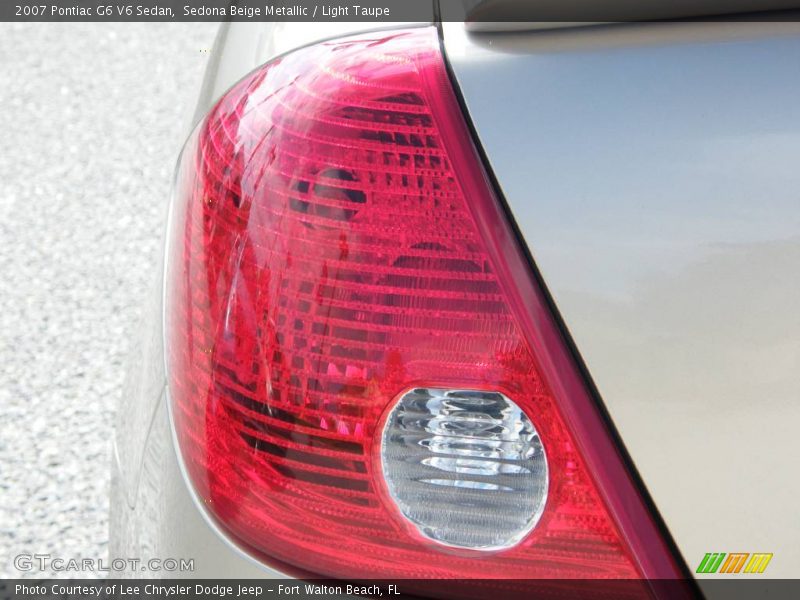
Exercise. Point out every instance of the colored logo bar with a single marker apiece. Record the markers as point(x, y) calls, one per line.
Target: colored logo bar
point(735, 562)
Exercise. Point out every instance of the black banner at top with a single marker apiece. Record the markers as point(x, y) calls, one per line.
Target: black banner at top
point(389, 11)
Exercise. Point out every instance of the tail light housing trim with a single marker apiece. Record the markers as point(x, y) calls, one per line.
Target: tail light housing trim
point(334, 241)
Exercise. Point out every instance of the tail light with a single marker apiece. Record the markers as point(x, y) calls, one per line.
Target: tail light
point(365, 378)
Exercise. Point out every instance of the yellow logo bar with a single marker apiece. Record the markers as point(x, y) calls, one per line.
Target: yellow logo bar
point(758, 562)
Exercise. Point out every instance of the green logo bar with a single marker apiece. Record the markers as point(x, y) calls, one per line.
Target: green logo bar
point(711, 562)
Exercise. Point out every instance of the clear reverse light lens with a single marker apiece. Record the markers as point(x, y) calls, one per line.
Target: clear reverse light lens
point(465, 467)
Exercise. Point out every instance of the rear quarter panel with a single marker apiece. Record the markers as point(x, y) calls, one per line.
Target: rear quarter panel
point(652, 170)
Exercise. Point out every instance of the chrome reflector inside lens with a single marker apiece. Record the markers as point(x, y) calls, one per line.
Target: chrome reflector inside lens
point(465, 467)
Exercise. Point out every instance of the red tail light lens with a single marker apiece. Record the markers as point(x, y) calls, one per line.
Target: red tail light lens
point(334, 245)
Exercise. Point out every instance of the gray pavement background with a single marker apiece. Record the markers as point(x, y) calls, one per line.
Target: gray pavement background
point(91, 121)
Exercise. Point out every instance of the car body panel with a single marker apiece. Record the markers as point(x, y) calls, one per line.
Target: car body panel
point(505, 15)
point(652, 172)
point(166, 521)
